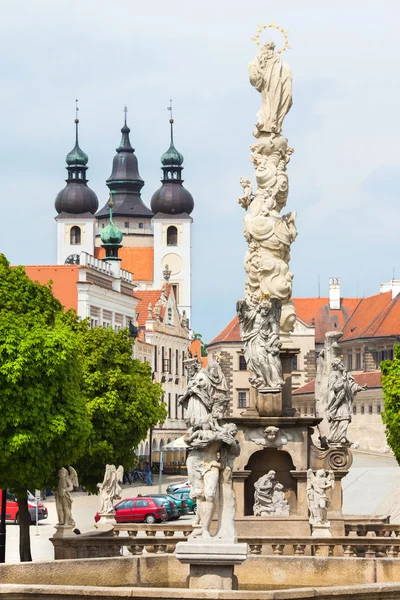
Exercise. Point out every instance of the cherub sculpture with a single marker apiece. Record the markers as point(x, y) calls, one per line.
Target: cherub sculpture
point(67, 480)
point(247, 196)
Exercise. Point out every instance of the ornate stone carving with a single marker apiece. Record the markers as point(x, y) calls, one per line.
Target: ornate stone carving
point(67, 480)
point(150, 311)
point(271, 437)
point(110, 489)
point(317, 498)
point(184, 319)
point(335, 391)
point(167, 273)
point(336, 458)
point(269, 497)
point(213, 447)
point(267, 309)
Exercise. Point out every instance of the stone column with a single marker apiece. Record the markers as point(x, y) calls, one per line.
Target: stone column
point(239, 479)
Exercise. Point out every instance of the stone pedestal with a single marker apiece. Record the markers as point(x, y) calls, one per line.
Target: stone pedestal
point(64, 531)
point(269, 403)
point(321, 531)
point(107, 522)
point(211, 563)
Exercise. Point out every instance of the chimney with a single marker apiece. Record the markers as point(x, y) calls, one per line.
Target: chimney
point(334, 293)
point(392, 286)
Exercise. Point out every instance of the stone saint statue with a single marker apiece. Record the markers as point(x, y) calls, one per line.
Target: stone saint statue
point(269, 497)
point(110, 489)
point(212, 448)
point(67, 480)
point(203, 386)
point(317, 498)
point(335, 392)
point(273, 79)
point(267, 309)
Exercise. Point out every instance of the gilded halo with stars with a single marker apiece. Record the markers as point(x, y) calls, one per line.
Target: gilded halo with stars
point(284, 32)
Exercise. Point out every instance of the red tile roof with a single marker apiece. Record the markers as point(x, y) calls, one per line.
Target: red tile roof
point(311, 311)
point(64, 279)
point(372, 379)
point(145, 297)
point(376, 316)
point(139, 261)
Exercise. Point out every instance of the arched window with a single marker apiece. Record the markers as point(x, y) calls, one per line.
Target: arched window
point(172, 236)
point(75, 235)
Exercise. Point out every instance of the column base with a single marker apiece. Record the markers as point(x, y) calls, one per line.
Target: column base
point(211, 563)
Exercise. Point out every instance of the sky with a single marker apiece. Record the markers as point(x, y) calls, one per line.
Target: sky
point(344, 127)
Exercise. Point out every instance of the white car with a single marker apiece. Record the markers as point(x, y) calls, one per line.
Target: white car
point(177, 486)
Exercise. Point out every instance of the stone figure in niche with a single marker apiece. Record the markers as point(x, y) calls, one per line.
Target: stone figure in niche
point(273, 79)
point(67, 480)
point(110, 489)
point(318, 502)
point(271, 437)
point(203, 388)
point(260, 334)
point(269, 497)
point(212, 448)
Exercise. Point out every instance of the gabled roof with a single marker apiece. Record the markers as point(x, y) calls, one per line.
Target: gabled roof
point(139, 261)
point(312, 311)
point(372, 379)
point(145, 298)
point(376, 316)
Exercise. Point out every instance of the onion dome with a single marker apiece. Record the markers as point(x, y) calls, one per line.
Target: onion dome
point(172, 198)
point(111, 235)
point(76, 198)
point(125, 182)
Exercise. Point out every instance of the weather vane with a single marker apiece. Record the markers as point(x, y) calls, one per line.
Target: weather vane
point(125, 111)
point(170, 109)
point(76, 111)
point(273, 25)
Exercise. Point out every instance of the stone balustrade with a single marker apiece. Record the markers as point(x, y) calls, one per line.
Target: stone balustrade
point(163, 540)
point(378, 529)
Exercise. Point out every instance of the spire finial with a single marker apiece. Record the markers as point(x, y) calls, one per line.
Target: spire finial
point(111, 205)
point(125, 111)
point(171, 120)
point(76, 119)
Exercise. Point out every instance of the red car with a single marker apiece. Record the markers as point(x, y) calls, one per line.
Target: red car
point(137, 510)
point(12, 508)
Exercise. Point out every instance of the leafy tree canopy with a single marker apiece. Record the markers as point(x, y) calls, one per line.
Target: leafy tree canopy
point(122, 401)
point(44, 421)
point(391, 395)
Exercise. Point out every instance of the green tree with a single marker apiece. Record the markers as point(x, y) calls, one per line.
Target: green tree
point(44, 421)
point(391, 396)
point(198, 336)
point(122, 401)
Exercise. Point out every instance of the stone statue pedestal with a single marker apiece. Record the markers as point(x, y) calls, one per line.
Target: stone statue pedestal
point(321, 531)
point(269, 403)
point(211, 562)
point(107, 521)
point(64, 531)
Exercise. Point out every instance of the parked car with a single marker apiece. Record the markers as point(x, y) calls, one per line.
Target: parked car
point(176, 486)
point(137, 510)
point(170, 505)
point(12, 510)
point(181, 504)
point(184, 494)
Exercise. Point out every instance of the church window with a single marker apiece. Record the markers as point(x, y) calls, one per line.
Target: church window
point(172, 236)
point(75, 235)
point(242, 398)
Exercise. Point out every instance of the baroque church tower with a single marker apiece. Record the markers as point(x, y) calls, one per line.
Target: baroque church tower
point(172, 206)
point(76, 205)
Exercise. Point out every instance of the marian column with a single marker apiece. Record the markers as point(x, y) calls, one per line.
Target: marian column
point(267, 311)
